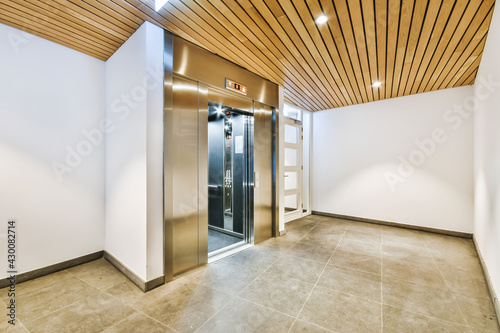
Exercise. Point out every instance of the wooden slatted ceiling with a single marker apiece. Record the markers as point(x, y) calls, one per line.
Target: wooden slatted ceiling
point(412, 46)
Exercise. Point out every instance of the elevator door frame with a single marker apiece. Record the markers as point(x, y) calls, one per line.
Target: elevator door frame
point(243, 106)
point(217, 95)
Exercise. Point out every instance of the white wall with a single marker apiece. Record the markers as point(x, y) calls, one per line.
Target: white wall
point(487, 155)
point(357, 154)
point(134, 153)
point(50, 96)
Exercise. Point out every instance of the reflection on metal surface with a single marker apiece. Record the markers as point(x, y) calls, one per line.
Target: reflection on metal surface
point(194, 62)
point(263, 194)
point(168, 231)
point(188, 185)
point(185, 168)
point(203, 174)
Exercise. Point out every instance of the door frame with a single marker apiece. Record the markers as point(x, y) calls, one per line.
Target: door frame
point(298, 213)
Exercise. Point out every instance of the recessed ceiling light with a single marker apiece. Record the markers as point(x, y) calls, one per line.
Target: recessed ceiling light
point(159, 4)
point(377, 84)
point(321, 19)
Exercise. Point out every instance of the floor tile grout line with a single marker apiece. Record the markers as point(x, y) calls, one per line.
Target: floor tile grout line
point(27, 322)
point(448, 287)
point(48, 285)
point(264, 306)
point(319, 277)
point(104, 292)
point(233, 297)
point(135, 312)
point(141, 312)
point(265, 270)
point(45, 315)
point(237, 295)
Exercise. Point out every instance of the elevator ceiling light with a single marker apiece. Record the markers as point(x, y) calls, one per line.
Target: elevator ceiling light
point(159, 4)
point(321, 19)
point(377, 84)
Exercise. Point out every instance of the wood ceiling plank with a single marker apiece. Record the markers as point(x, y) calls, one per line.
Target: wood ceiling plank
point(471, 79)
point(355, 12)
point(476, 30)
point(411, 46)
point(114, 19)
point(146, 13)
point(392, 42)
point(468, 57)
point(241, 54)
point(381, 21)
point(447, 17)
point(302, 67)
point(299, 33)
point(260, 8)
point(48, 15)
point(461, 76)
point(345, 28)
point(437, 10)
point(370, 25)
point(83, 15)
point(112, 9)
point(303, 10)
point(326, 36)
point(456, 25)
point(405, 21)
point(419, 13)
point(51, 37)
point(237, 15)
point(62, 33)
point(332, 34)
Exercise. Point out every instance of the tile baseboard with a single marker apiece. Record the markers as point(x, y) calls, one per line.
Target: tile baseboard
point(137, 280)
point(395, 224)
point(39, 272)
point(493, 294)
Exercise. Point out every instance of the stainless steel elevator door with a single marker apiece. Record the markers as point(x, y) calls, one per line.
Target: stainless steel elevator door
point(185, 168)
point(263, 166)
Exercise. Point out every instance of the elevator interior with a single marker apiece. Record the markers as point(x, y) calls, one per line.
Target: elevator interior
point(230, 169)
point(219, 156)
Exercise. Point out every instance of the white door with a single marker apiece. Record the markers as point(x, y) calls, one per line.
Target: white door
point(293, 169)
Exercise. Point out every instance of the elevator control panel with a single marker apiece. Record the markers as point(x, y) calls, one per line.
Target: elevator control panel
point(235, 86)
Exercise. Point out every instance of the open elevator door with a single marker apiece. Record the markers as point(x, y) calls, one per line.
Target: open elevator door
point(230, 172)
point(193, 78)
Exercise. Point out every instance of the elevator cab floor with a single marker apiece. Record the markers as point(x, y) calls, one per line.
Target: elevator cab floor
point(218, 240)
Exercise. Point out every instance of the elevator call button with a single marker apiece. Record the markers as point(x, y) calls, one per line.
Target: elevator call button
point(230, 84)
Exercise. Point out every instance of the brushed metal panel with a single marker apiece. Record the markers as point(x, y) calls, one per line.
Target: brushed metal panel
point(203, 173)
point(185, 170)
point(226, 98)
point(195, 62)
point(168, 231)
point(263, 168)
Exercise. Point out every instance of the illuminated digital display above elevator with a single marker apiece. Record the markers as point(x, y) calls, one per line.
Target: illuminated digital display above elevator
point(238, 87)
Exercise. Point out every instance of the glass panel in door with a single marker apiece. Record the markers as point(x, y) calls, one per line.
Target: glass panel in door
point(293, 169)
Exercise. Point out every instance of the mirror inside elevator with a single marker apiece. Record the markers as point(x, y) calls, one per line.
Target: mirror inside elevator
point(230, 166)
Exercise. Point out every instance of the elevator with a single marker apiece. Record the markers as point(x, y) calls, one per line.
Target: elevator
point(220, 154)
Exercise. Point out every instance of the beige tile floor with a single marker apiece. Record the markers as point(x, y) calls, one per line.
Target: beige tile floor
point(325, 275)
